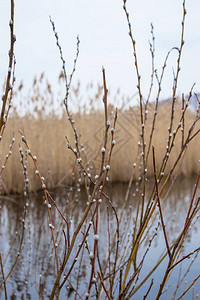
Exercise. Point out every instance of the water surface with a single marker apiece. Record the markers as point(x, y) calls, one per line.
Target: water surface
point(34, 272)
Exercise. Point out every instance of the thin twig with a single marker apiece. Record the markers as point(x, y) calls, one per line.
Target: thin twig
point(151, 284)
point(10, 65)
point(184, 257)
point(104, 287)
point(3, 277)
point(189, 287)
point(159, 205)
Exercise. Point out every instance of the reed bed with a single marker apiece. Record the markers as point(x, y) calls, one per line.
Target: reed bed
point(46, 136)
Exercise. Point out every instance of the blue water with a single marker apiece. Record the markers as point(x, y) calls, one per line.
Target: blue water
point(35, 269)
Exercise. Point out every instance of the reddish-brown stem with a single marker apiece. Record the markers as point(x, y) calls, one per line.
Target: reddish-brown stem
point(94, 252)
point(159, 205)
point(11, 55)
point(67, 223)
point(192, 201)
point(3, 277)
point(151, 284)
point(104, 287)
point(184, 257)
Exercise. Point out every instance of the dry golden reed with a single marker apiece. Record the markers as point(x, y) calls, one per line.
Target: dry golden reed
point(46, 137)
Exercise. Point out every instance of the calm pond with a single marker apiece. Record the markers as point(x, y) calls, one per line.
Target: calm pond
point(33, 274)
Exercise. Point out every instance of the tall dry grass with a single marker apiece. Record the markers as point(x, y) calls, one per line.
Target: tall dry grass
point(46, 136)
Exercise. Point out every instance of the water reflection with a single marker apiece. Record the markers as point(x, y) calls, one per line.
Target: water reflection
point(34, 273)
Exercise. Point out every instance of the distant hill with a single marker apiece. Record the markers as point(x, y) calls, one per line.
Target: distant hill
point(194, 102)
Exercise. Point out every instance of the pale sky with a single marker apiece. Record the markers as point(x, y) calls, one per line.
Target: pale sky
point(104, 41)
